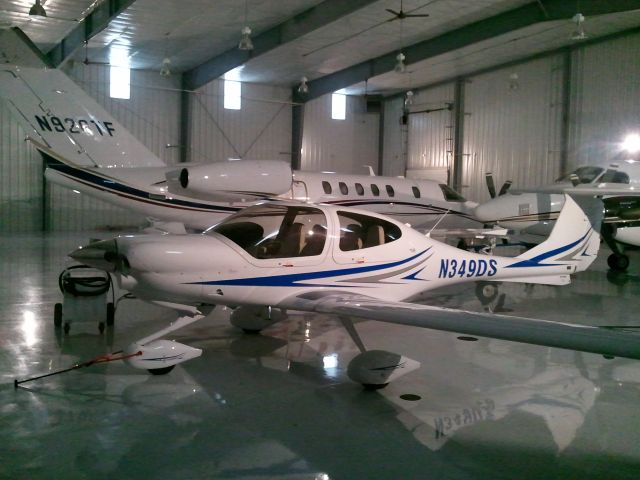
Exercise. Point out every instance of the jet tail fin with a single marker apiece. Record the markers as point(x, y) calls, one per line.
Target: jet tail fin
point(574, 240)
point(57, 113)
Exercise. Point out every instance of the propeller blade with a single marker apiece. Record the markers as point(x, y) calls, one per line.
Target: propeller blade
point(413, 15)
point(491, 186)
point(505, 187)
point(393, 12)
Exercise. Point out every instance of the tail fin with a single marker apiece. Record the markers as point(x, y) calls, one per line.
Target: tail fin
point(574, 240)
point(59, 116)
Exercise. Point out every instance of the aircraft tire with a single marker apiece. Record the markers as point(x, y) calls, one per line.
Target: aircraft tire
point(486, 292)
point(374, 386)
point(57, 315)
point(251, 331)
point(111, 312)
point(161, 371)
point(618, 262)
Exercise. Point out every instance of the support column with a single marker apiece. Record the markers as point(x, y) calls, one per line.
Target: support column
point(381, 138)
point(185, 122)
point(566, 110)
point(458, 133)
point(297, 128)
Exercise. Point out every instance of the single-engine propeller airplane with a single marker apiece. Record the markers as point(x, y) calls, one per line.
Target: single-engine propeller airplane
point(88, 151)
point(534, 211)
point(271, 258)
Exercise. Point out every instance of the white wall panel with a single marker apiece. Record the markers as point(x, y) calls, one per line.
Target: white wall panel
point(21, 182)
point(430, 138)
point(342, 146)
point(394, 155)
point(514, 133)
point(605, 101)
point(261, 129)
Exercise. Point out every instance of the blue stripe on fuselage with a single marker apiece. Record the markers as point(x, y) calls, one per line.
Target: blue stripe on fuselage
point(291, 280)
point(104, 183)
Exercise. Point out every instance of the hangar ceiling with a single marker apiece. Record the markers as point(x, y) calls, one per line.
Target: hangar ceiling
point(336, 44)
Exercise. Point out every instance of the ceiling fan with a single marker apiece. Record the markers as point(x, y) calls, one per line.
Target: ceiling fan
point(401, 15)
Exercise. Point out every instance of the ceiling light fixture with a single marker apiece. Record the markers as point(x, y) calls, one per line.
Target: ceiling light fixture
point(303, 87)
point(579, 33)
point(514, 81)
point(37, 10)
point(165, 70)
point(408, 99)
point(400, 67)
point(245, 40)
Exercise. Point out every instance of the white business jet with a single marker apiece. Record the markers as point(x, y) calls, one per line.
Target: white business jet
point(535, 211)
point(88, 151)
point(270, 258)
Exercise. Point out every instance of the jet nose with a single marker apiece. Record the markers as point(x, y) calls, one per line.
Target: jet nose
point(103, 255)
point(486, 212)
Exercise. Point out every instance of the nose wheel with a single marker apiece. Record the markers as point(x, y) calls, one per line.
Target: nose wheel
point(618, 262)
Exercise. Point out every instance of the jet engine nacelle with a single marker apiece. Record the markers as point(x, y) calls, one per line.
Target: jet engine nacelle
point(234, 181)
point(255, 318)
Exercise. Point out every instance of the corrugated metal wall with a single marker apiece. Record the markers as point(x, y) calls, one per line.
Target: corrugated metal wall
point(430, 142)
point(261, 129)
point(513, 132)
point(605, 100)
point(394, 138)
point(342, 146)
point(21, 180)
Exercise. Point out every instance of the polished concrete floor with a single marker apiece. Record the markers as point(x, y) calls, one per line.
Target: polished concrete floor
point(280, 406)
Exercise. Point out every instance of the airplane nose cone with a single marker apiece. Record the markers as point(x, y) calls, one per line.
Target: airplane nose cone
point(102, 255)
point(485, 212)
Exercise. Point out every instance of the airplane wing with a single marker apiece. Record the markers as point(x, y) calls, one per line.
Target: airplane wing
point(600, 340)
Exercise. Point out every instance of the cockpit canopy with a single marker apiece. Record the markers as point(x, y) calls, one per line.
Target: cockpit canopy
point(280, 231)
point(589, 174)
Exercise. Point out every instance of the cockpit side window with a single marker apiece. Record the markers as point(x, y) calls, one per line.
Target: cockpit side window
point(362, 231)
point(585, 174)
point(273, 231)
point(614, 176)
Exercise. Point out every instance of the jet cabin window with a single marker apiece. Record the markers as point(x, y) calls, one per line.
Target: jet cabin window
point(450, 195)
point(390, 191)
point(326, 186)
point(268, 231)
point(375, 190)
point(416, 192)
point(343, 188)
point(361, 231)
point(359, 189)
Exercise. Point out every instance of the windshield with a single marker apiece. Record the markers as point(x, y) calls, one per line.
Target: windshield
point(275, 231)
point(585, 174)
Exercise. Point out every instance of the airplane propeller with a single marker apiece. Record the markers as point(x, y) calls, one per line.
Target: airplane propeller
point(491, 186)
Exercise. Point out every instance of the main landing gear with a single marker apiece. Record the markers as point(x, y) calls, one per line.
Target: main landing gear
point(617, 261)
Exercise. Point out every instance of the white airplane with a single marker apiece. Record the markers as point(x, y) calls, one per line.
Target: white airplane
point(88, 151)
point(535, 211)
point(271, 258)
